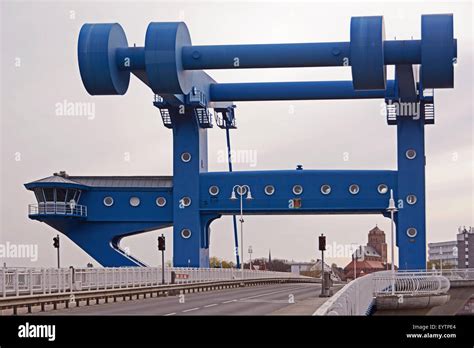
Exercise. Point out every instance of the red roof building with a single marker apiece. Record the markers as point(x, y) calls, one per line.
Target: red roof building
point(369, 258)
point(362, 268)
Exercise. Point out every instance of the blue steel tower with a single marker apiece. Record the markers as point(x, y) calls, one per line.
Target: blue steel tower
point(96, 212)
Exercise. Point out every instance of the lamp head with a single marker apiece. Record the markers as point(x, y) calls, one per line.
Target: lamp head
point(249, 194)
point(391, 203)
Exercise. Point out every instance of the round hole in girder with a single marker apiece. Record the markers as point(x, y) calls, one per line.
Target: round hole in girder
point(269, 190)
point(186, 201)
point(297, 189)
point(354, 189)
point(325, 189)
point(134, 201)
point(412, 232)
point(108, 201)
point(214, 190)
point(185, 157)
point(410, 154)
point(382, 189)
point(185, 233)
point(411, 199)
point(161, 201)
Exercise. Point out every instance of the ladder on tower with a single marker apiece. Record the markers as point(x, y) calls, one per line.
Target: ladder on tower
point(427, 106)
point(391, 112)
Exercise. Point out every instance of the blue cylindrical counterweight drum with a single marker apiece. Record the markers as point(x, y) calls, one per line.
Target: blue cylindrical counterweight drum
point(438, 51)
point(367, 53)
point(97, 47)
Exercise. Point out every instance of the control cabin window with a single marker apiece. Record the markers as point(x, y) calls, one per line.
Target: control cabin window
point(57, 195)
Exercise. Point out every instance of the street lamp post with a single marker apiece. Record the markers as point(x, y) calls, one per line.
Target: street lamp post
point(241, 191)
point(441, 259)
point(392, 209)
point(354, 258)
point(250, 255)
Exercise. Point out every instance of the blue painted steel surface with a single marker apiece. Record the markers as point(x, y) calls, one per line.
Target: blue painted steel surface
point(294, 91)
point(313, 201)
point(438, 49)
point(411, 181)
point(323, 54)
point(172, 68)
point(97, 63)
point(367, 53)
point(163, 43)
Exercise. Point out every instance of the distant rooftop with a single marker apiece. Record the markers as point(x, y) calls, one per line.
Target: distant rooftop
point(366, 250)
point(444, 243)
point(109, 181)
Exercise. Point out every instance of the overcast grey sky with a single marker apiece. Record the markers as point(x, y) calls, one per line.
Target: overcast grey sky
point(39, 69)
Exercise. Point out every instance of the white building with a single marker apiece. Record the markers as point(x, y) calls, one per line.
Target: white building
point(298, 267)
point(445, 251)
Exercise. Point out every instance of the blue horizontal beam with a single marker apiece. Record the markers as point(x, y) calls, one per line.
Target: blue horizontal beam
point(290, 55)
point(294, 91)
point(324, 54)
point(265, 55)
point(339, 201)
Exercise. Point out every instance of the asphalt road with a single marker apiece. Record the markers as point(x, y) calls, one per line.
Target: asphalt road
point(277, 299)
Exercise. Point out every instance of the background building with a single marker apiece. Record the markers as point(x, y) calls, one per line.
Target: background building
point(369, 258)
point(465, 250)
point(377, 241)
point(298, 267)
point(445, 251)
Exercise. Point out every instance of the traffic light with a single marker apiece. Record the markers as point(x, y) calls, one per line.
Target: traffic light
point(322, 242)
point(56, 242)
point(161, 243)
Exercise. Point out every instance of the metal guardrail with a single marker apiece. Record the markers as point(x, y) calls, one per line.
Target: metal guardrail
point(69, 299)
point(357, 297)
point(457, 274)
point(410, 283)
point(57, 208)
point(30, 281)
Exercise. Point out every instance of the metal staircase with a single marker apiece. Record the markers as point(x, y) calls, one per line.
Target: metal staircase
point(198, 101)
point(164, 111)
point(427, 106)
point(391, 112)
point(203, 117)
point(225, 117)
point(429, 112)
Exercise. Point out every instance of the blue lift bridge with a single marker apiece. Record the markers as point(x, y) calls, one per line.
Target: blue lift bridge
point(97, 212)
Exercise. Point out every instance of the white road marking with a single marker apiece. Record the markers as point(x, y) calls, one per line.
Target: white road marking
point(210, 305)
point(269, 301)
point(229, 301)
point(170, 314)
point(192, 309)
point(268, 293)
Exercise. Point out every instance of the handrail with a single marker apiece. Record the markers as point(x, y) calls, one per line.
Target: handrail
point(457, 274)
point(57, 208)
point(29, 281)
point(358, 296)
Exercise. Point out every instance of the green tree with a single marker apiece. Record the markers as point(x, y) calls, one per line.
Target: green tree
point(214, 262)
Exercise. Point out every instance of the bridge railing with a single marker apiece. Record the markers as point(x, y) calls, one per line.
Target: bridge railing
point(358, 296)
point(410, 283)
point(29, 281)
point(57, 208)
point(457, 274)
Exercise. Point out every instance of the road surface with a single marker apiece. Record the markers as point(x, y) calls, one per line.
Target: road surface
point(276, 299)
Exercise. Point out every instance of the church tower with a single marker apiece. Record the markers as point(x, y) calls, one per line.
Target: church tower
point(377, 241)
